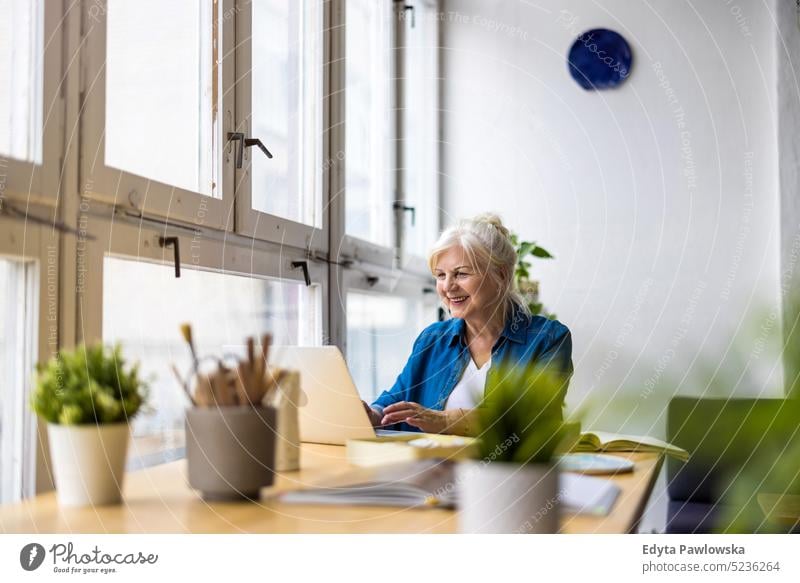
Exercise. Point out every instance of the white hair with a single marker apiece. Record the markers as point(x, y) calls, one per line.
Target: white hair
point(488, 247)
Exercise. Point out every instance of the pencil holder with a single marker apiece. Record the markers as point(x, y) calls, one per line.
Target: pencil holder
point(230, 451)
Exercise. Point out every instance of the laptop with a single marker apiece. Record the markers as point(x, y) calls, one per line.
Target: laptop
point(330, 408)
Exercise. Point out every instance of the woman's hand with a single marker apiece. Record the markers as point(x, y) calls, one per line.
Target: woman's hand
point(416, 415)
point(374, 416)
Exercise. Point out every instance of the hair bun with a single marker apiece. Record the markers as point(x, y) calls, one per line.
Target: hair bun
point(493, 221)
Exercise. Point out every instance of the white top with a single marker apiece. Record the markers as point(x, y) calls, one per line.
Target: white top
point(469, 390)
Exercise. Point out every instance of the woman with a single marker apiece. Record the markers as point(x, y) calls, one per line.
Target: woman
point(444, 378)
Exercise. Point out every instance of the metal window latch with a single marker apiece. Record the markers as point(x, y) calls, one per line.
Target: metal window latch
point(372, 280)
point(399, 206)
point(304, 266)
point(176, 251)
point(246, 143)
point(408, 8)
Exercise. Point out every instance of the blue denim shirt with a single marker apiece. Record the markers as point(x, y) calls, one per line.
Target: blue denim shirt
point(440, 356)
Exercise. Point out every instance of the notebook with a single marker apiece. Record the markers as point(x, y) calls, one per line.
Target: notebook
point(408, 447)
point(603, 441)
point(430, 483)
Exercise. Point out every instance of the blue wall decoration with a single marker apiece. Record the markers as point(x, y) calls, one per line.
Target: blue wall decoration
point(600, 59)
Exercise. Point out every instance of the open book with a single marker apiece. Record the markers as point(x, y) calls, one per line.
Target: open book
point(431, 483)
point(602, 441)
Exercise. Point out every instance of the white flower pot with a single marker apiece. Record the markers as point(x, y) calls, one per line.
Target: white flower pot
point(88, 462)
point(506, 498)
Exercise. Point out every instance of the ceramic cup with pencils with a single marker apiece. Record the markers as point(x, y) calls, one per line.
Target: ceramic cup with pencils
point(230, 433)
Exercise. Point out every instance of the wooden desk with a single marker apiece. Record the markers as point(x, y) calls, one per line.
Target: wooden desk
point(159, 500)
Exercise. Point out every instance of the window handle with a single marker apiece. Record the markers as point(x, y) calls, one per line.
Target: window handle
point(176, 251)
point(256, 142)
point(407, 8)
point(246, 143)
point(304, 266)
point(399, 206)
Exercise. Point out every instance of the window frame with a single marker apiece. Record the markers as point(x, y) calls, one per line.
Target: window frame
point(29, 242)
point(130, 191)
point(231, 255)
point(252, 222)
point(428, 216)
point(350, 247)
point(29, 182)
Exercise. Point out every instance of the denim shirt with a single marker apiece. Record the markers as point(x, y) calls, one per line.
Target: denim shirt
point(440, 356)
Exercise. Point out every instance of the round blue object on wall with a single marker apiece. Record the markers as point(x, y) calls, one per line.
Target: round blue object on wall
point(600, 59)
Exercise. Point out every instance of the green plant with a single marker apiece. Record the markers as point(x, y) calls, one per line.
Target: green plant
point(88, 386)
point(522, 273)
point(520, 418)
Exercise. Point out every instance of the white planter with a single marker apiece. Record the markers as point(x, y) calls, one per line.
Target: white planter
point(88, 462)
point(506, 498)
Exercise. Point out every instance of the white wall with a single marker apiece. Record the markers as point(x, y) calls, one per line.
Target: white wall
point(659, 199)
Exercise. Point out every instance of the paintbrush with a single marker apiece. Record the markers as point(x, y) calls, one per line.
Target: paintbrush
point(186, 332)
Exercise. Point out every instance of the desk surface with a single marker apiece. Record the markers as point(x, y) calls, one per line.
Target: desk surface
point(159, 500)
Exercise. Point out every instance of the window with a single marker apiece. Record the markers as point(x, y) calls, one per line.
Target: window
point(31, 110)
point(21, 63)
point(420, 127)
point(381, 330)
point(285, 108)
point(157, 82)
point(143, 308)
point(369, 121)
point(17, 357)
point(161, 106)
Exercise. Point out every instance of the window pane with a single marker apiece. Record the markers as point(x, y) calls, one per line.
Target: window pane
point(369, 120)
point(161, 103)
point(143, 307)
point(17, 343)
point(381, 330)
point(421, 128)
point(21, 66)
point(286, 98)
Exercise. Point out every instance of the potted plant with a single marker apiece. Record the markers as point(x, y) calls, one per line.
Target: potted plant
point(88, 397)
point(529, 288)
point(513, 486)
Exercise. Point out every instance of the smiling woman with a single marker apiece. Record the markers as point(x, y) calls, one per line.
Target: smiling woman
point(445, 376)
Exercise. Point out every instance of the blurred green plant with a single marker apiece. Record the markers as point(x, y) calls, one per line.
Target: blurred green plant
point(88, 386)
point(520, 418)
point(772, 471)
point(528, 287)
